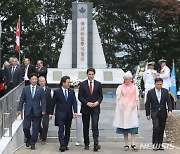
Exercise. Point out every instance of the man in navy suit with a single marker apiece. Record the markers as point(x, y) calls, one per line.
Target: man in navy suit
point(65, 101)
point(28, 69)
point(90, 95)
point(158, 106)
point(33, 99)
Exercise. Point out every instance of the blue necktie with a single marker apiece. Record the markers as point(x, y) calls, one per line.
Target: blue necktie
point(65, 95)
point(32, 92)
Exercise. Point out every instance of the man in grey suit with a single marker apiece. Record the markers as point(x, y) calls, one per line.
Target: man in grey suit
point(33, 99)
point(13, 75)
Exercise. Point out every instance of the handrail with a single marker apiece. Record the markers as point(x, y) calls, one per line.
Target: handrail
point(8, 109)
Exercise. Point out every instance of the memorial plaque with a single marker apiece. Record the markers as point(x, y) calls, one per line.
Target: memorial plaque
point(82, 75)
point(57, 75)
point(108, 76)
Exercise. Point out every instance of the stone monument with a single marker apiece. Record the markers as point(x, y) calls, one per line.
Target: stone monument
point(82, 49)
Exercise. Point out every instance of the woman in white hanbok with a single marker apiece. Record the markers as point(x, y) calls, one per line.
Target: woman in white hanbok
point(127, 110)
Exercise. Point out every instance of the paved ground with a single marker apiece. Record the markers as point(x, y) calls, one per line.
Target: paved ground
point(107, 148)
point(109, 140)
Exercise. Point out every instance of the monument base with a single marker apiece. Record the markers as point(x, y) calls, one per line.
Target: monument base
point(105, 76)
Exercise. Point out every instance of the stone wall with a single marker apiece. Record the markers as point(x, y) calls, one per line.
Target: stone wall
point(173, 130)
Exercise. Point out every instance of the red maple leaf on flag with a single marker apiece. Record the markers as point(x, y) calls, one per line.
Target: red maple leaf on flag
point(18, 36)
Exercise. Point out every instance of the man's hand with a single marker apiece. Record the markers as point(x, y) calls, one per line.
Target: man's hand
point(90, 104)
point(50, 117)
point(169, 113)
point(43, 113)
point(75, 115)
point(95, 104)
point(19, 113)
point(148, 117)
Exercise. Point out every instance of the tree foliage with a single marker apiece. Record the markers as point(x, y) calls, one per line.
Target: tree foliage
point(130, 30)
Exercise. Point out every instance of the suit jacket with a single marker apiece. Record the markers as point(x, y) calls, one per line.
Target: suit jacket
point(63, 107)
point(38, 103)
point(31, 69)
point(42, 72)
point(84, 96)
point(17, 78)
point(153, 106)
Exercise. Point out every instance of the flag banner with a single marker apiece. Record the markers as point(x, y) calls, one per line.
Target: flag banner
point(0, 29)
point(173, 88)
point(18, 36)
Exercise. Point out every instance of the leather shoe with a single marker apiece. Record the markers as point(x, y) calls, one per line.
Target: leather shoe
point(33, 147)
point(97, 147)
point(160, 147)
point(86, 147)
point(27, 143)
point(62, 149)
point(66, 148)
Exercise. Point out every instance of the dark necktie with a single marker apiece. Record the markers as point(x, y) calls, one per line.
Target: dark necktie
point(65, 95)
point(90, 87)
point(12, 73)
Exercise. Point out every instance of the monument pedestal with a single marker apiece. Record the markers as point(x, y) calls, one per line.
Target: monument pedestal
point(105, 76)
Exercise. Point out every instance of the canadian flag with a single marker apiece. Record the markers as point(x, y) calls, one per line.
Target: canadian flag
point(18, 36)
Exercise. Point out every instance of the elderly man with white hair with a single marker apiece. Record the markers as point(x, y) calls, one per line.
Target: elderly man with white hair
point(127, 110)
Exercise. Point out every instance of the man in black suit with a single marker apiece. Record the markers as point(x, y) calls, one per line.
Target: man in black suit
point(90, 95)
point(28, 69)
point(43, 129)
point(65, 101)
point(33, 100)
point(13, 75)
point(158, 106)
point(40, 69)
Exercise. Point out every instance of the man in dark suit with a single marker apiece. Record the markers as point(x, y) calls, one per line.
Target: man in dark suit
point(13, 75)
point(27, 70)
point(65, 100)
point(40, 69)
point(33, 99)
point(158, 106)
point(90, 95)
point(43, 130)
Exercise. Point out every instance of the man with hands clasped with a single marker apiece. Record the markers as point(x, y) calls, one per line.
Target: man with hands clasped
point(90, 95)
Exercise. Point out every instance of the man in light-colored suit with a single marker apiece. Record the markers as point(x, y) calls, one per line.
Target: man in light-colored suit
point(33, 99)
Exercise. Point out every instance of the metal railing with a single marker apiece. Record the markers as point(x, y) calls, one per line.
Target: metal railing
point(8, 109)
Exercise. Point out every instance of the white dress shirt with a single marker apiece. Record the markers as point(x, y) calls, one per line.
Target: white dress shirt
point(64, 91)
point(158, 94)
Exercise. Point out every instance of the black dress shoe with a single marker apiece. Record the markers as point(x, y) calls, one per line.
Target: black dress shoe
point(160, 147)
point(27, 143)
point(86, 147)
point(66, 148)
point(97, 147)
point(62, 149)
point(33, 147)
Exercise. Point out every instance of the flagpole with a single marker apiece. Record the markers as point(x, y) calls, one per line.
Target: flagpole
point(19, 42)
point(0, 40)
